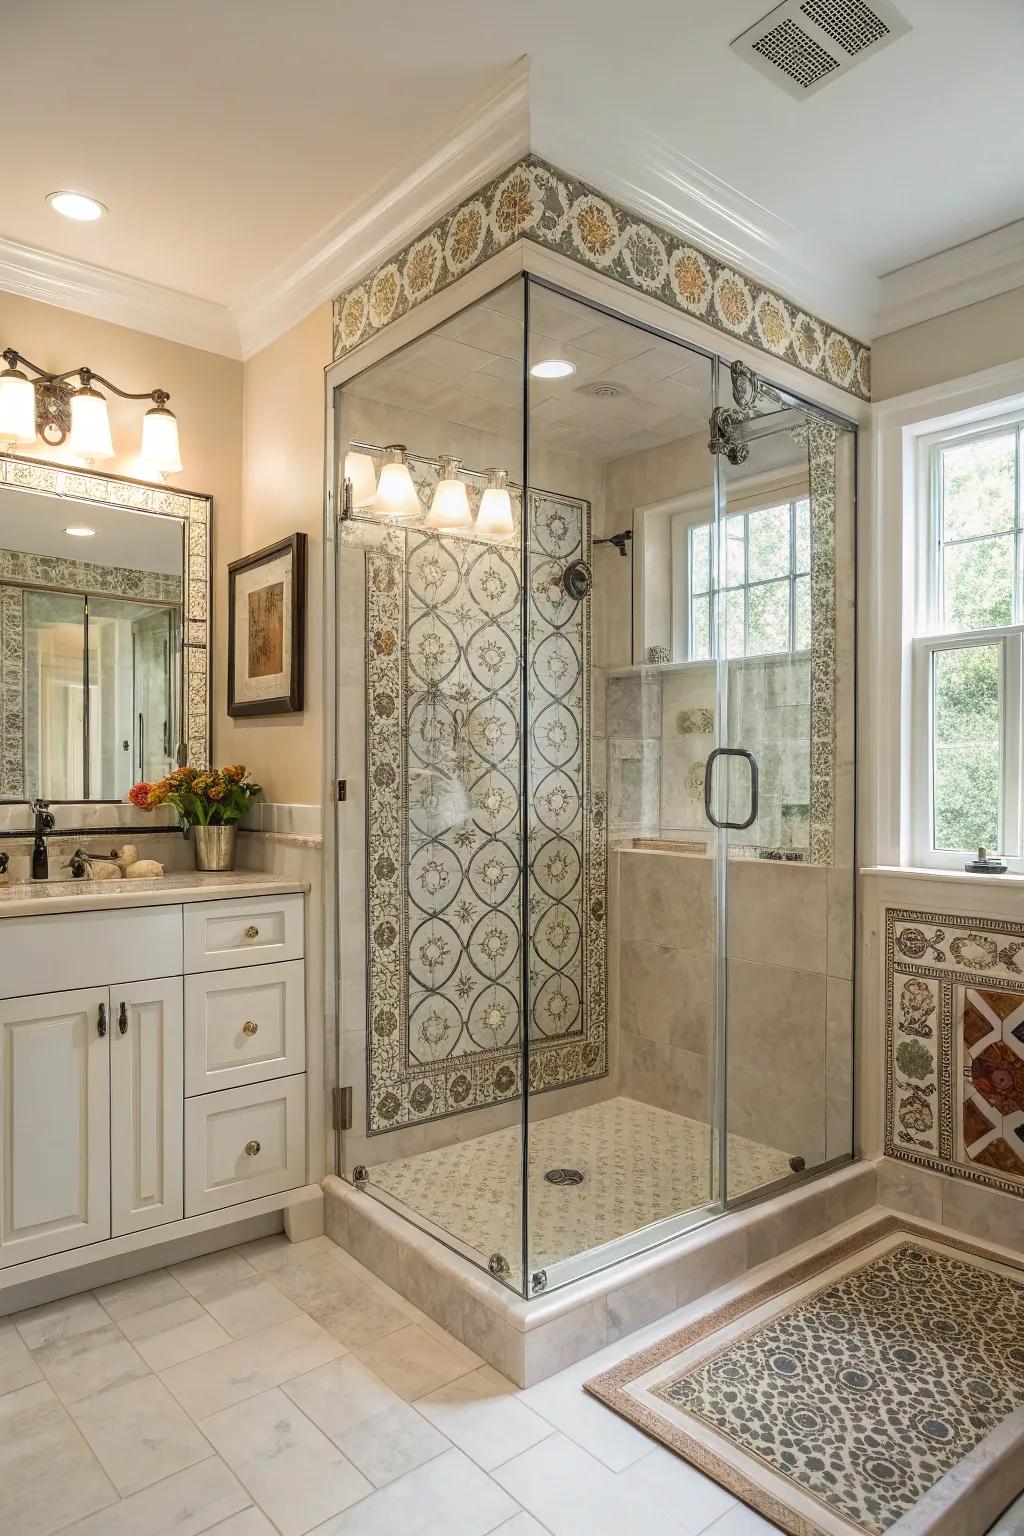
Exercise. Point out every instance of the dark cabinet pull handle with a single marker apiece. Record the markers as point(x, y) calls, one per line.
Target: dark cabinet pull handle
point(122, 1018)
point(101, 1021)
point(737, 826)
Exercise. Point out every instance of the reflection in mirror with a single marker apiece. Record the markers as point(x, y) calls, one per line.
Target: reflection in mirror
point(91, 630)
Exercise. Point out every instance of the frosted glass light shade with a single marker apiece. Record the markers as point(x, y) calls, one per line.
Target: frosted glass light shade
point(361, 475)
point(160, 450)
point(449, 506)
point(494, 520)
point(17, 408)
point(90, 425)
point(396, 496)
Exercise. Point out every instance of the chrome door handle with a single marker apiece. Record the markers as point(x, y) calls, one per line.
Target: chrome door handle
point(736, 826)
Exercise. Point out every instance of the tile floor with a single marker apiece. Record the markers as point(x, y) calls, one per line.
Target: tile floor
point(280, 1388)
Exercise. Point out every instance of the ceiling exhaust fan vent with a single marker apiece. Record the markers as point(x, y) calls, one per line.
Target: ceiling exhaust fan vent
point(804, 44)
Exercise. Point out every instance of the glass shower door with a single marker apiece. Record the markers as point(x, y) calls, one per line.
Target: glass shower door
point(780, 786)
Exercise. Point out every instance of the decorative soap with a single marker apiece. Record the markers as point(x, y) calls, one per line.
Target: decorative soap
point(144, 869)
point(99, 869)
point(129, 855)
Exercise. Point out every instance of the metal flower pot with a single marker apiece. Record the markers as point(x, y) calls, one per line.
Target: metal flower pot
point(215, 847)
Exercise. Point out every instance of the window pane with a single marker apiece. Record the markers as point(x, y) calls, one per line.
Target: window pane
point(966, 747)
point(979, 487)
point(803, 535)
point(802, 600)
point(735, 551)
point(769, 543)
point(700, 558)
point(733, 605)
point(769, 618)
point(700, 638)
point(977, 580)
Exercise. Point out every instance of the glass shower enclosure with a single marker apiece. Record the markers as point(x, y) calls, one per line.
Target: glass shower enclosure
point(595, 723)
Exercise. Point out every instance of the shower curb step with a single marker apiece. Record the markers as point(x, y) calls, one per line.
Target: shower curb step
point(529, 1340)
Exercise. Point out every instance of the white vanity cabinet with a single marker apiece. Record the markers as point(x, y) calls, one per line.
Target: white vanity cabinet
point(161, 1079)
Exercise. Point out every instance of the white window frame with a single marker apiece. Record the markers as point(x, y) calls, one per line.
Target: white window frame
point(791, 577)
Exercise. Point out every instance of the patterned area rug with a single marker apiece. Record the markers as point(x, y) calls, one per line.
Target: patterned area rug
point(833, 1397)
point(639, 1165)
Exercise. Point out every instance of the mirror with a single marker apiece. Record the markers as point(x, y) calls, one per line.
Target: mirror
point(104, 597)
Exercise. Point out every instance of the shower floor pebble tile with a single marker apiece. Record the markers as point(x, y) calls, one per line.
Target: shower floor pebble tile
point(288, 1432)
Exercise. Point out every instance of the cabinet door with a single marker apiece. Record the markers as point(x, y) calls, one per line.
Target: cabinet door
point(146, 1108)
point(54, 1123)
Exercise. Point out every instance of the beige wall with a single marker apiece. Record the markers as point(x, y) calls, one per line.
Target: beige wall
point(282, 457)
point(948, 347)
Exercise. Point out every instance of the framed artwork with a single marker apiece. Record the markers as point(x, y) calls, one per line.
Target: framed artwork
point(266, 629)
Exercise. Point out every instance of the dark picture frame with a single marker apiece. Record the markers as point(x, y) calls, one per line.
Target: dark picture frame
point(271, 614)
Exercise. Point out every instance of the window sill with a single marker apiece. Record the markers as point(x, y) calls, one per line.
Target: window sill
point(951, 876)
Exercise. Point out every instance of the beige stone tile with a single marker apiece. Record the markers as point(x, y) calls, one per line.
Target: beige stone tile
point(838, 1068)
point(141, 1293)
point(521, 1525)
point(840, 890)
point(139, 1433)
point(640, 1301)
point(666, 898)
point(211, 1270)
point(666, 994)
point(177, 1331)
point(494, 1339)
point(293, 1471)
point(782, 1227)
point(57, 1320)
point(482, 1414)
point(199, 1499)
point(246, 1306)
point(379, 1433)
point(850, 1194)
point(983, 1213)
point(244, 1367)
point(447, 1495)
point(570, 1492)
point(411, 1361)
point(17, 1367)
point(776, 1058)
point(562, 1403)
point(268, 1254)
point(711, 1263)
point(915, 1191)
point(251, 1522)
point(48, 1475)
point(778, 914)
point(86, 1363)
point(564, 1340)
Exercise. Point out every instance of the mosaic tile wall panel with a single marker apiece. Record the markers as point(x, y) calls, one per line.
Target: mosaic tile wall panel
point(821, 451)
point(12, 696)
point(954, 1030)
point(534, 201)
point(445, 830)
point(161, 501)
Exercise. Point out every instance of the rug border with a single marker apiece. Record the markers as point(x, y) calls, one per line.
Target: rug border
point(609, 1387)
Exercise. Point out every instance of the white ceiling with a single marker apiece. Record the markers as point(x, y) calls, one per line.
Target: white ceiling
point(225, 138)
point(137, 541)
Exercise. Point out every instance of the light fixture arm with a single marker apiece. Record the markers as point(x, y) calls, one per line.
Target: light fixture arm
point(86, 378)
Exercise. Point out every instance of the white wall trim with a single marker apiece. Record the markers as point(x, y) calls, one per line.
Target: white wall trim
point(965, 274)
point(490, 135)
point(114, 297)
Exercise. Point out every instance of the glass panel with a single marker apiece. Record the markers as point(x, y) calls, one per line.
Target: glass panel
point(700, 642)
point(966, 747)
point(134, 693)
point(735, 551)
point(978, 583)
point(700, 556)
point(55, 703)
point(769, 548)
point(802, 616)
point(733, 605)
point(769, 618)
point(979, 493)
point(802, 535)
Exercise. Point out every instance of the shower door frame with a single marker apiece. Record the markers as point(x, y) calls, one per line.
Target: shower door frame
point(563, 276)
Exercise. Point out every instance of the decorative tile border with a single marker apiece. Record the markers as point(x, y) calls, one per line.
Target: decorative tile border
point(821, 453)
point(534, 201)
point(934, 962)
point(16, 566)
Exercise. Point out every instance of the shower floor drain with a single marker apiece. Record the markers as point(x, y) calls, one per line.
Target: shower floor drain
point(564, 1176)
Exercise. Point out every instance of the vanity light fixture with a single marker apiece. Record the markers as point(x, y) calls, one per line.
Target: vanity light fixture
point(449, 508)
point(553, 368)
point(61, 412)
point(77, 205)
point(494, 520)
point(81, 533)
point(362, 477)
point(396, 496)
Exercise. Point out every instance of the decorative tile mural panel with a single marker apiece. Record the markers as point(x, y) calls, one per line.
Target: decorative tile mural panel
point(445, 822)
point(534, 201)
point(955, 1045)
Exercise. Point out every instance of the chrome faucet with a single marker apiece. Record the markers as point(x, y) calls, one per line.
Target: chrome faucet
point(44, 823)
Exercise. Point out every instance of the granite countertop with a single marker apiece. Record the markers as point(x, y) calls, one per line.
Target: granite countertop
point(27, 898)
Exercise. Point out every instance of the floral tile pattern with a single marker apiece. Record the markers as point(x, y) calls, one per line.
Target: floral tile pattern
point(955, 1045)
point(445, 821)
point(534, 201)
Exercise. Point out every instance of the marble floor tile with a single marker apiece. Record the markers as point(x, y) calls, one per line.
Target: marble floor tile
point(186, 1504)
point(174, 1332)
point(126, 1298)
point(741, 1521)
point(37, 1438)
point(411, 1361)
point(562, 1401)
point(139, 1433)
point(276, 1252)
point(251, 1522)
point(244, 1367)
point(362, 1317)
point(483, 1416)
point(17, 1367)
point(521, 1525)
point(378, 1431)
point(449, 1496)
point(212, 1269)
point(294, 1472)
point(246, 1306)
point(674, 1484)
point(57, 1320)
point(569, 1491)
point(86, 1363)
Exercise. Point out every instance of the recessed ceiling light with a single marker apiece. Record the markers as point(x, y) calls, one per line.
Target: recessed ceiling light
point(553, 368)
point(76, 205)
point(81, 533)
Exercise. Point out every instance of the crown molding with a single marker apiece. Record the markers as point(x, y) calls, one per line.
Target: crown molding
point(952, 279)
point(114, 297)
point(492, 133)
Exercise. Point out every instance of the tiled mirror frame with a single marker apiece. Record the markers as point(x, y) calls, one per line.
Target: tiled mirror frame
point(191, 509)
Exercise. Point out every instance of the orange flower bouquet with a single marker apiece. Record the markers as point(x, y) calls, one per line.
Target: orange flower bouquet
point(203, 797)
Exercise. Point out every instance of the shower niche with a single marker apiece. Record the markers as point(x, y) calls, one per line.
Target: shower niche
point(595, 722)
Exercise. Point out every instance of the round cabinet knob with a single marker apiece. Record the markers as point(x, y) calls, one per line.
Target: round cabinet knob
point(252, 1148)
point(250, 1027)
point(252, 932)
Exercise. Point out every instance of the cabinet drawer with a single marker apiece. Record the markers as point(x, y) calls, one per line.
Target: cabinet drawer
point(244, 1026)
point(243, 1143)
point(257, 931)
point(66, 950)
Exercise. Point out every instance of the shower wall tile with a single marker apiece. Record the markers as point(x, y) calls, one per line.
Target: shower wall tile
point(839, 1067)
point(778, 914)
point(777, 1058)
point(840, 890)
point(667, 898)
point(666, 995)
point(916, 1191)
